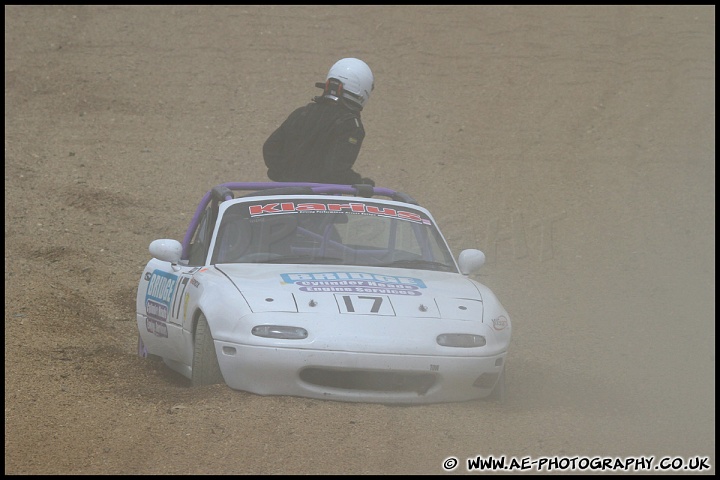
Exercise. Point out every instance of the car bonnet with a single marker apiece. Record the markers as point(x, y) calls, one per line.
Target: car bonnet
point(356, 290)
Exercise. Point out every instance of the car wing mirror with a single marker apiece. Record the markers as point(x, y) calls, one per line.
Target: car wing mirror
point(167, 250)
point(470, 261)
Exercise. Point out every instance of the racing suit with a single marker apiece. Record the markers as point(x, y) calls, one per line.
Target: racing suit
point(318, 143)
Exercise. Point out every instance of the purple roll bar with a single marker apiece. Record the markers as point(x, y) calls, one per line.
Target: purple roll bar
point(316, 188)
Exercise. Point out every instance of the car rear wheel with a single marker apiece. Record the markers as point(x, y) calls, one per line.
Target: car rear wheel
point(205, 367)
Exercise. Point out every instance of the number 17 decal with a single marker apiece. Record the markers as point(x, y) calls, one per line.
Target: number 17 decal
point(364, 304)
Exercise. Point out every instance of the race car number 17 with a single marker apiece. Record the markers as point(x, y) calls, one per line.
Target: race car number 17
point(364, 304)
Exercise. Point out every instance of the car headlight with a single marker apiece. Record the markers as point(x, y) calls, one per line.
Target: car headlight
point(463, 340)
point(280, 331)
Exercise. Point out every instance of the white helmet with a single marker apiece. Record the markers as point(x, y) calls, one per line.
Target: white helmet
point(357, 79)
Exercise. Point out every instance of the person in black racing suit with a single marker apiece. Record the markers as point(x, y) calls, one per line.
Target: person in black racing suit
point(320, 142)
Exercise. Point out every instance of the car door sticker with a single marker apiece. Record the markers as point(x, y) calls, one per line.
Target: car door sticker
point(182, 284)
point(186, 300)
point(159, 294)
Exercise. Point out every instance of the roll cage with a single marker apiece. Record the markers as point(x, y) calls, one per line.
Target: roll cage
point(205, 221)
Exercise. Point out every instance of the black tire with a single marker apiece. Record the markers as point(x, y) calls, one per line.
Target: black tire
point(205, 367)
point(499, 393)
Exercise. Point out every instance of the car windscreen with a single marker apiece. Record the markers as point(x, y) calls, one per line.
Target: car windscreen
point(337, 232)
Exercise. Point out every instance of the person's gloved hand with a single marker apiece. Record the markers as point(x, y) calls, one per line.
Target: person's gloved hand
point(367, 181)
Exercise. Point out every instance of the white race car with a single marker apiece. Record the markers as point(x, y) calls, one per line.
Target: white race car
point(334, 292)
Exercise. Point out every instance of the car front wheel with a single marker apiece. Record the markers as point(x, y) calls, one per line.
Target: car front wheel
point(205, 367)
point(498, 393)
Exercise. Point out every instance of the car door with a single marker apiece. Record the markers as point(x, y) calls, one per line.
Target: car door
point(163, 296)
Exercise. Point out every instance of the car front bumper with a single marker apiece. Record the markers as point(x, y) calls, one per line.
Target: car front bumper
point(357, 377)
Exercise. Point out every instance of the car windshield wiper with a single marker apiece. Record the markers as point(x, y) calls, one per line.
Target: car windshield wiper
point(421, 264)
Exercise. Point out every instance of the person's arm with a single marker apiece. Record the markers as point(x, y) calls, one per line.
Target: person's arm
point(273, 153)
point(342, 154)
point(274, 148)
